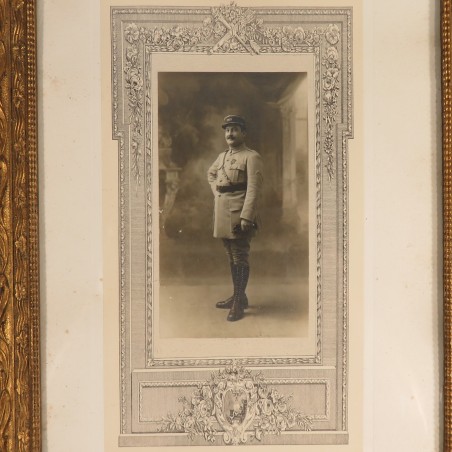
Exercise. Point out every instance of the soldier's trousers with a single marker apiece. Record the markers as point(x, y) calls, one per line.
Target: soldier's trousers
point(238, 250)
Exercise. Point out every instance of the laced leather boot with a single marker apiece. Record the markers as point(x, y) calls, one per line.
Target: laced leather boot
point(237, 309)
point(227, 304)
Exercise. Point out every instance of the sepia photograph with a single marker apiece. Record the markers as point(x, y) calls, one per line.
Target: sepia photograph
point(233, 153)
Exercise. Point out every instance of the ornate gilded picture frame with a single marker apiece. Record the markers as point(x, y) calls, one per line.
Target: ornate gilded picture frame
point(20, 406)
point(20, 417)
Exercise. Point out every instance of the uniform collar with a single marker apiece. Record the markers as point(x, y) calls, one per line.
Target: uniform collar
point(234, 151)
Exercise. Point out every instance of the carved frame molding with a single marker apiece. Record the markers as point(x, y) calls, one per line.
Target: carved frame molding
point(20, 417)
point(446, 75)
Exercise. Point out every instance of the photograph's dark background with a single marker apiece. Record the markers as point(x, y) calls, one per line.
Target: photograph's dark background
point(190, 113)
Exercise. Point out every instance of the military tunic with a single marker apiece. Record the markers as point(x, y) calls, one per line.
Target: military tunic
point(232, 167)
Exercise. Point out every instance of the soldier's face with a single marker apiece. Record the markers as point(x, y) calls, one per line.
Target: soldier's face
point(234, 135)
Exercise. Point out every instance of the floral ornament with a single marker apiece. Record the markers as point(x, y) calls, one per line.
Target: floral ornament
point(290, 38)
point(331, 79)
point(277, 415)
point(19, 93)
point(332, 56)
point(24, 439)
point(331, 88)
point(20, 292)
point(132, 33)
point(314, 37)
point(332, 34)
point(133, 83)
point(299, 35)
point(195, 418)
point(176, 38)
point(20, 144)
point(232, 13)
point(241, 403)
point(20, 198)
point(219, 29)
point(132, 55)
point(21, 244)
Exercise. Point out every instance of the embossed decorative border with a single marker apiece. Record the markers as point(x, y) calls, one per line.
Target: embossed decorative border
point(20, 418)
point(446, 71)
point(328, 149)
point(130, 39)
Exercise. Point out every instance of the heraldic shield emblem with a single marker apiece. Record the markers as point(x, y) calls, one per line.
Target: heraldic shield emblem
point(235, 403)
point(235, 407)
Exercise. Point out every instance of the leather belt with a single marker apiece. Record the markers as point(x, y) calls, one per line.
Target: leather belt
point(231, 188)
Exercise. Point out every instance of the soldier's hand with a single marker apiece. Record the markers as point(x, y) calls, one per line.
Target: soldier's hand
point(246, 225)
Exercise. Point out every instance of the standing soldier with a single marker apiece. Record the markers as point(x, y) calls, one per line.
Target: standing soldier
point(236, 181)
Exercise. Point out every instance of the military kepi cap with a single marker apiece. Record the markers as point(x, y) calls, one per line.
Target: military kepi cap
point(234, 119)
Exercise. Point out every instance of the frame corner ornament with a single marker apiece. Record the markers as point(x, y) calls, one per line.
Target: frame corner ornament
point(230, 29)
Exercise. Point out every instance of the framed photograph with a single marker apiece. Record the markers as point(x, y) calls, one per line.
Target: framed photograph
point(215, 224)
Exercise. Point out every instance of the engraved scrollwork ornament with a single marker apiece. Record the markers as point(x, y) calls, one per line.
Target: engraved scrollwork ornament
point(242, 404)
